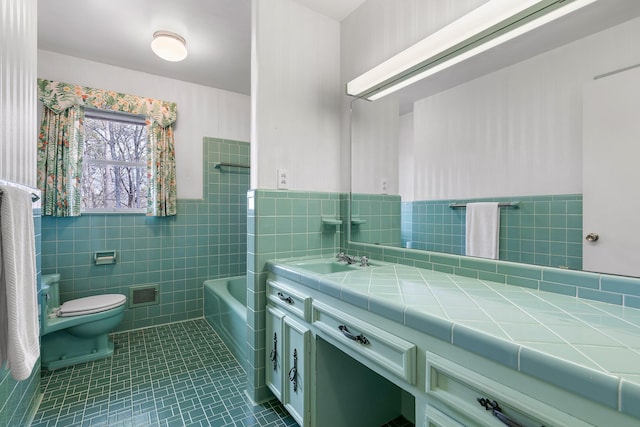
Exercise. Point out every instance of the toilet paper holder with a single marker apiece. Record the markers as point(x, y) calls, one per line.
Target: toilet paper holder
point(105, 257)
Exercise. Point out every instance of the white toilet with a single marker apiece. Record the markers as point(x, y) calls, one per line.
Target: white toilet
point(76, 331)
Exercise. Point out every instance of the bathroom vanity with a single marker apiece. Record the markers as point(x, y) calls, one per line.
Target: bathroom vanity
point(350, 345)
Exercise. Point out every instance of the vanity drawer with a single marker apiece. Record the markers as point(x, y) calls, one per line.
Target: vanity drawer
point(437, 418)
point(391, 353)
point(293, 301)
point(460, 389)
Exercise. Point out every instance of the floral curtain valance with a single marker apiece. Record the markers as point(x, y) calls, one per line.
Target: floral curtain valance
point(61, 139)
point(59, 96)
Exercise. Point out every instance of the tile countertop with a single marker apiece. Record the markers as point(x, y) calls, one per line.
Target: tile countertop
point(587, 347)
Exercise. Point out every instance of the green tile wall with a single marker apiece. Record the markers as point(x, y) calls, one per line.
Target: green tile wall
point(281, 224)
point(380, 217)
point(19, 399)
point(206, 240)
point(543, 230)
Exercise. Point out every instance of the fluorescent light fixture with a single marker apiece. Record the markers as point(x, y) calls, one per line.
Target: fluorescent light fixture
point(486, 27)
point(169, 46)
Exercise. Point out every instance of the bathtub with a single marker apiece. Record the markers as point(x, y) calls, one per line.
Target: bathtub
point(225, 308)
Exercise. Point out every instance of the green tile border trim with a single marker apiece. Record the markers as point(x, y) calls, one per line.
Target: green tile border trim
point(596, 386)
point(630, 398)
point(608, 288)
point(503, 352)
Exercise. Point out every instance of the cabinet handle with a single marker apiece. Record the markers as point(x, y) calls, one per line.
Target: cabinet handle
point(284, 298)
point(293, 372)
point(357, 338)
point(274, 353)
point(497, 412)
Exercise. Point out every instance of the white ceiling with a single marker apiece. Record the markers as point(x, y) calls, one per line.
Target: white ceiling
point(119, 32)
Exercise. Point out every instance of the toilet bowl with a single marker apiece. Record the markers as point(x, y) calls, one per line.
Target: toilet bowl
point(78, 330)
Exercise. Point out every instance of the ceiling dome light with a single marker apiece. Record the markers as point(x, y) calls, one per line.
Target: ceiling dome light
point(169, 46)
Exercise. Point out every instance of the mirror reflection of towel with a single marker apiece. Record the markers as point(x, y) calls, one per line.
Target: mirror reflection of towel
point(483, 228)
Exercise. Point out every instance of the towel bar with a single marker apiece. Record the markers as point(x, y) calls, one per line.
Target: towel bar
point(231, 165)
point(500, 205)
point(34, 195)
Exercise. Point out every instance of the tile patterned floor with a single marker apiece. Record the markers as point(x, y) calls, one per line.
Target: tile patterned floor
point(179, 374)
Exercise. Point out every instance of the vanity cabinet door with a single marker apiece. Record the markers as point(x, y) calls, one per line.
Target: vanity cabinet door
point(297, 343)
point(274, 371)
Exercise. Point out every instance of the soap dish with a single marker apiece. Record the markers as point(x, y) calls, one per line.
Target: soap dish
point(331, 221)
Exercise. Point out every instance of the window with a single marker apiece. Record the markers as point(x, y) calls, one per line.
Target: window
point(114, 168)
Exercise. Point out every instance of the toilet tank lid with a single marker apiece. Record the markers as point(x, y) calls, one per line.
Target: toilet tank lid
point(47, 279)
point(92, 304)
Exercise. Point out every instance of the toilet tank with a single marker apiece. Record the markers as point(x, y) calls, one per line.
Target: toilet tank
point(50, 291)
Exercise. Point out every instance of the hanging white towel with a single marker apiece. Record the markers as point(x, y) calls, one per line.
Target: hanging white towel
point(19, 329)
point(483, 228)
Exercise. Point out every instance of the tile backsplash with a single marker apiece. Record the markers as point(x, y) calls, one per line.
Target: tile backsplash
point(542, 230)
point(376, 218)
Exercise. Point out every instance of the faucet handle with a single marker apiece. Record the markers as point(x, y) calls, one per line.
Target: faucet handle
point(364, 261)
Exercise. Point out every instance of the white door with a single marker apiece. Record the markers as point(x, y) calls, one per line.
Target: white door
point(611, 174)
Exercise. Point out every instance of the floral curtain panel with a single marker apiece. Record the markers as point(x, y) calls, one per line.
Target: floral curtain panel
point(161, 200)
point(60, 145)
point(59, 161)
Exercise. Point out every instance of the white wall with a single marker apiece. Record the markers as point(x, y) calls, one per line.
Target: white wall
point(517, 131)
point(373, 33)
point(374, 146)
point(406, 156)
point(18, 130)
point(295, 97)
point(202, 110)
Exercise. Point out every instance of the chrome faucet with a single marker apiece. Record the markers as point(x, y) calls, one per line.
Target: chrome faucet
point(344, 257)
point(364, 261)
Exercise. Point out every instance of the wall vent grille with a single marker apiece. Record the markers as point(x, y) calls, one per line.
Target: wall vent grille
point(143, 295)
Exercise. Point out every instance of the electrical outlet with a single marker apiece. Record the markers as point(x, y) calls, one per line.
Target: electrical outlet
point(283, 179)
point(383, 185)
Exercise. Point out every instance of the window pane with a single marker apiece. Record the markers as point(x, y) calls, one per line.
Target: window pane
point(114, 165)
point(111, 186)
point(109, 140)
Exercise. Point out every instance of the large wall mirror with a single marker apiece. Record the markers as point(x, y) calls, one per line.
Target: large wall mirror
point(509, 126)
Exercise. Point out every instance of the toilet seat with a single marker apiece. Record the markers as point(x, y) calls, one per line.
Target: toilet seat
point(89, 305)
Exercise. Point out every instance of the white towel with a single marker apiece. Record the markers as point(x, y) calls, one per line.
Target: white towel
point(483, 228)
point(19, 329)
